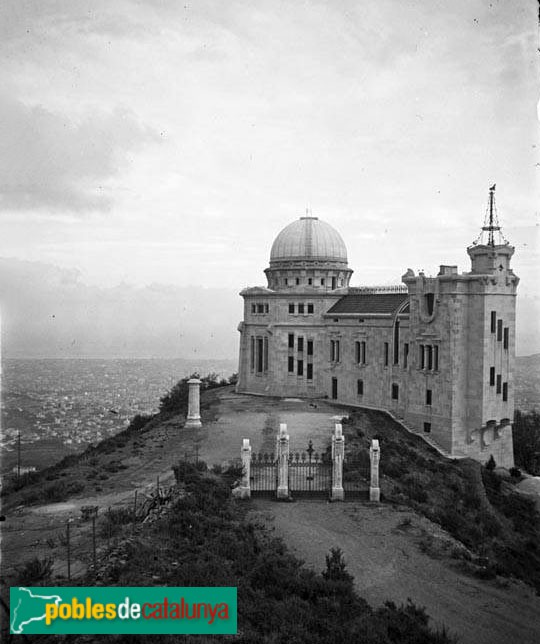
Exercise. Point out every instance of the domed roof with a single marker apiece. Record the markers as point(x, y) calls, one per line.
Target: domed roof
point(308, 239)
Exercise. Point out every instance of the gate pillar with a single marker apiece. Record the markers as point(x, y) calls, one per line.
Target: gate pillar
point(283, 462)
point(338, 454)
point(194, 397)
point(374, 456)
point(244, 491)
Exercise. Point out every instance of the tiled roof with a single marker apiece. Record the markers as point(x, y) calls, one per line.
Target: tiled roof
point(369, 303)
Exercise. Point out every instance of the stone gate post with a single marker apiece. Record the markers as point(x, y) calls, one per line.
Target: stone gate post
point(374, 457)
point(245, 486)
point(283, 462)
point(338, 455)
point(194, 397)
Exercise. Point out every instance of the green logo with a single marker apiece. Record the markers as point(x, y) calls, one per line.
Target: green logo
point(110, 610)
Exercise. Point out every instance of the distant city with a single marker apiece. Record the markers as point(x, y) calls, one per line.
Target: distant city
point(61, 406)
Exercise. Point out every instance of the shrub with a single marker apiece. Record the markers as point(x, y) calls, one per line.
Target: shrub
point(35, 571)
point(491, 465)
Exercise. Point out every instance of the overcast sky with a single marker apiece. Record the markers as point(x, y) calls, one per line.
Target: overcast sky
point(169, 142)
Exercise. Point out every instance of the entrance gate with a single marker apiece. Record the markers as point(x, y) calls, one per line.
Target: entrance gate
point(263, 475)
point(310, 473)
point(356, 475)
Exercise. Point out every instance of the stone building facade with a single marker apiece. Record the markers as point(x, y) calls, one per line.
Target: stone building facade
point(437, 352)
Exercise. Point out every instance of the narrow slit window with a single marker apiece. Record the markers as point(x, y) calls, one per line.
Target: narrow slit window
point(505, 337)
point(395, 391)
point(386, 354)
point(405, 355)
point(360, 387)
point(499, 330)
point(300, 365)
point(300, 344)
point(505, 391)
point(428, 396)
point(492, 376)
point(493, 321)
point(309, 371)
point(291, 340)
point(291, 364)
point(499, 383)
point(310, 347)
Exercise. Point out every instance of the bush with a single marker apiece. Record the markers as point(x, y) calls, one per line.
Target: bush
point(491, 465)
point(35, 571)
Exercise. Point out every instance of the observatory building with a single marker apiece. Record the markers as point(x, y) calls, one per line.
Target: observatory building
point(435, 352)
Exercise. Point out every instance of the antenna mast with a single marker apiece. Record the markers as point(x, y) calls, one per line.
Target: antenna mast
point(491, 223)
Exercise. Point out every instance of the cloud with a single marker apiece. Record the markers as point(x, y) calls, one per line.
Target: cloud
point(50, 162)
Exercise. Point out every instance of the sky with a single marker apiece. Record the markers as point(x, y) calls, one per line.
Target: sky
point(147, 142)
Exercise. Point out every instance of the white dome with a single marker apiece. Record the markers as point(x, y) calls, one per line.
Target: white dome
point(308, 239)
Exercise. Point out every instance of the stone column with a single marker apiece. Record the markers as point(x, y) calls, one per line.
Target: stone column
point(374, 457)
point(283, 462)
point(244, 491)
point(338, 455)
point(194, 415)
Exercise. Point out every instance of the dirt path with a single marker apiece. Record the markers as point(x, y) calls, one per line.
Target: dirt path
point(383, 554)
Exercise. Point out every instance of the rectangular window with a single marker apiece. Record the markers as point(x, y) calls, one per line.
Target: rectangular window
point(429, 359)
point(291, 308)
point(428, 396)
point(260, 308)
point(505, 337)
point(252, 354)
point(427, 427)
point(310, 308)
point(363, 352)
point(334, 350)
point(266, 308)
point(422, 357)
point(297, 281)
point(310, 281)
point(499, 383)
point(300, 308)
point(291, 340)
point(360, 387)
point(286, 281)
point(254, 308)
point(386, 354)
point(260, 354)
point(337, 350)
point(322, 281)
point(300, 344)
point(395, 391)
point(309, 371)
point(493, 321)
point(499, 330)
point(492, 376)
point(505, 391)
point(300, 370)
point(436, 357)
point(357, 352)
point(310, 347)
point(405, 355)
point(291, 364)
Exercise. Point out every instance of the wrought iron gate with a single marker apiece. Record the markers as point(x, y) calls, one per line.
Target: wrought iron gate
point(263, 475)
point(356, 475)
point(310, 473)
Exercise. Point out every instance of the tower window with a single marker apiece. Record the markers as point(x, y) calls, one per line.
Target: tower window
point(310, 281)
point(493, 321)
point(436, 357)
point(286, 281)
point(492, 376)
point(505, 391)
point(360, 387)
point(427, 428)
point(310, 308)
point(499, 383)
point(301, 308)
point(430, 300)
point(291, 340)
point(266, 308)
point(395, 391)
point(252, 354)
point(260, 355)
point(505, 337)
point(428, 396)
point(291, 364)
point(322, 281)
point(429, 351)
point(405, 354)
point(422, 356)
point(254, 308)
point(310, 371)
point(357, 352)
point(310, 347)
point(396, 342)
point(334, 283)
point(499, 330)
point(300, 370)
point(386, 354)
point(260, 308)
point(265, 359)
point(297, 281)
point(300, 344)
point(291, 308)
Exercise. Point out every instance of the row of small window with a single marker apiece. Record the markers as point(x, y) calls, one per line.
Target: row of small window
point(300, 367)
point(300, 344)
point(500, 386)
point(428, 354)
point(259, 354)
point(395, 391)
point(259, 308)
point(302, 308)
point(313, 281)
point(497, 327)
